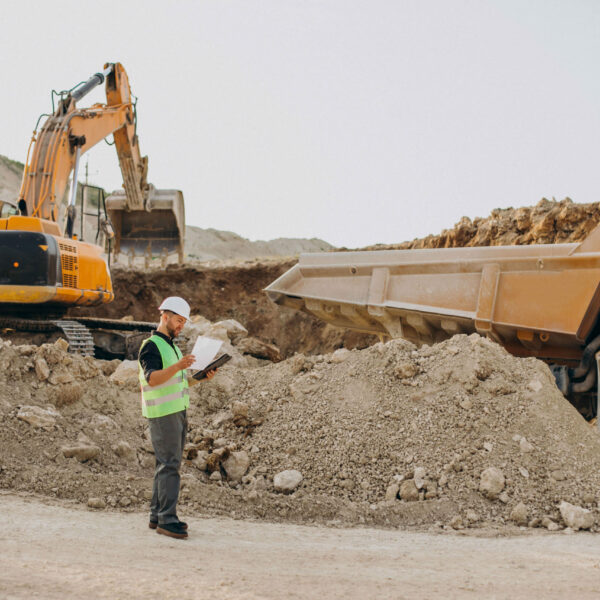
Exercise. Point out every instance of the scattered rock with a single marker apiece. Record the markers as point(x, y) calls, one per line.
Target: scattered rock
point(419, 477)
point(41, 369)
point(236, 465)
point(82, 452)
point(44, 418)
point(391, 493)
point(126, 374)
point(287, 481)
point(519, 514)
point(491, 483)
point(259, 349)
point(576, 517)
point(409, 491)
point(96, 503)
point(549, 524)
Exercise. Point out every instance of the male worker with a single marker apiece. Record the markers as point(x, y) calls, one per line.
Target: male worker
point(164, 402)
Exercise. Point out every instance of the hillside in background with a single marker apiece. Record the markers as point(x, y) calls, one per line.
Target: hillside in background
point(200, 244)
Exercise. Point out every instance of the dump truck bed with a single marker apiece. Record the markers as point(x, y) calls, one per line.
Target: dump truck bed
point(539, 300)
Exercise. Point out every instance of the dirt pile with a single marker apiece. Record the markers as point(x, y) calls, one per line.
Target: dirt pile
point(548, 222)
point(459, 434)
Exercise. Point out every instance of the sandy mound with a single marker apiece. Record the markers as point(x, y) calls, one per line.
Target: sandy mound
point(459, 434)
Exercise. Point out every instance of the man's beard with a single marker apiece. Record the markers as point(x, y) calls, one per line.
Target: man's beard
point(172, 333)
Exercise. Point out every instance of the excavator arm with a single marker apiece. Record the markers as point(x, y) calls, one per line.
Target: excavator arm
point(69, 133)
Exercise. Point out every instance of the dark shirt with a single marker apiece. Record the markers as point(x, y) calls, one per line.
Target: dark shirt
point(150, 357)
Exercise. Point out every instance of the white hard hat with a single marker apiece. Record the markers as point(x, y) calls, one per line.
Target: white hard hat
point(177, 305)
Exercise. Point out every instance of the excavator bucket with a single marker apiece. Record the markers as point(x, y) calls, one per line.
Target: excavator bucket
point(155, 232)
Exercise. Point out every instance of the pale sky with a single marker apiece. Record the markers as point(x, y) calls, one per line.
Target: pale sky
point(353, 121)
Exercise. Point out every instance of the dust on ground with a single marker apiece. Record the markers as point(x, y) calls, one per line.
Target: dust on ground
point(61, 552)
point(460, 435)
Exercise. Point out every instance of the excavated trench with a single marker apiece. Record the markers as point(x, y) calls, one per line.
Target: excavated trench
point(227, 291)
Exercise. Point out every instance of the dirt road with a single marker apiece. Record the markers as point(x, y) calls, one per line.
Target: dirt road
point(51, 551)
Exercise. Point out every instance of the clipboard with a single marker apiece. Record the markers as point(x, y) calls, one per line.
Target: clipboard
point(215, 364)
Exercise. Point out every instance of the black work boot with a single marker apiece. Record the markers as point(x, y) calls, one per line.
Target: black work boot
point(174, 530)
point(153, 524)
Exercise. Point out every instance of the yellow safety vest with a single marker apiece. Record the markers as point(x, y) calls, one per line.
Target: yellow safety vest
point(169, 397)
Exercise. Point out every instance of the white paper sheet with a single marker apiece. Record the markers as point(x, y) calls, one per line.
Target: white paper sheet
point(205, 349)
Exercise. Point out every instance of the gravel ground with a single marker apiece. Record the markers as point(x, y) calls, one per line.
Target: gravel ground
point(57, 551)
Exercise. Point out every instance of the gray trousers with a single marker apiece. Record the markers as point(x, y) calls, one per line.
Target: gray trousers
point(168, 438)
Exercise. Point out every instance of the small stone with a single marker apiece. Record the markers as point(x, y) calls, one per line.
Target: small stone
point(348, 484)
point(524, 472)
point(456, 522)
point(558, 475)
point(492, 482)
point(408, 491)
point(525, 446)
point(549, 524)
point(391, 493)
point(589, 499)
point(419, 477)
point(252, 495)
point(488, 446)
point(96, 503)
point(443, 480)
point(504, 498)
point(287, 481)
point(576, 517)
point(466, 404)
point(221, 443)
point(124, 501)
point(519, 514)
point(254, 450)
point(535, 522)
point(215, 476)
point(41, 369)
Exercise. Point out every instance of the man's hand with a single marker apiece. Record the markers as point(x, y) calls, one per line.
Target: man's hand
point(209, 375)
point(185, 362)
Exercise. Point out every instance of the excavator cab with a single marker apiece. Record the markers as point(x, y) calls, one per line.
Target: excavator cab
point(156, 230)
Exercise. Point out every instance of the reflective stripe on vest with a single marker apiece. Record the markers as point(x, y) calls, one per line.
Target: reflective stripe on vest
point(168, 397)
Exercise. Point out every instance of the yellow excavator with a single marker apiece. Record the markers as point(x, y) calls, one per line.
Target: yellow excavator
point(44, 268)
point(539, 300)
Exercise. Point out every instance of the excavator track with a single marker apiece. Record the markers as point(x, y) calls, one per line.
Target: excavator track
point(79, 337)
point(87, 336)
